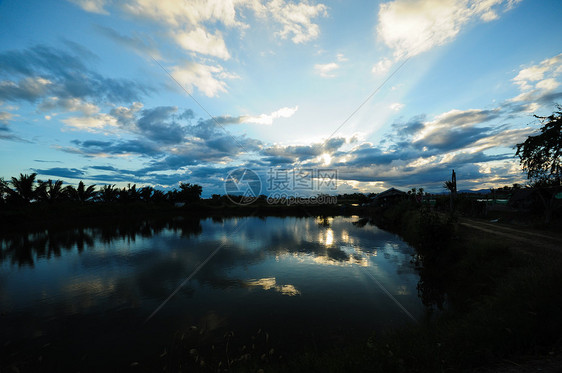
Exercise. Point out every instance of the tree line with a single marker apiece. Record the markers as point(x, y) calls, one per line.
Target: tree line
point(25, 189)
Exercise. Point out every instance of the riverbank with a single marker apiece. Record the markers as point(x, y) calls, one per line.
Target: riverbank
point(500, 299)
point(44, 215)
point(499, 296)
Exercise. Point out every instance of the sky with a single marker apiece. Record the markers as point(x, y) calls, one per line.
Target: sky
point(380, 93)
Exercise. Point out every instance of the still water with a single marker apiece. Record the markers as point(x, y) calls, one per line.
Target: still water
point(112, 295)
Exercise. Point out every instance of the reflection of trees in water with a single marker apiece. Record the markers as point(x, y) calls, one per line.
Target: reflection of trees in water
point(22, 247)
point(431, 286)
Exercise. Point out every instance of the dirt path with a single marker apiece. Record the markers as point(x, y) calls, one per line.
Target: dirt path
point(525, 239)
point(519, 234)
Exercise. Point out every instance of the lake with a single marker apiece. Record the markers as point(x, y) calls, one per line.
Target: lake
point(133, 294)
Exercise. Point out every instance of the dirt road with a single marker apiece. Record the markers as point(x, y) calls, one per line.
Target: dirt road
point(520, 234)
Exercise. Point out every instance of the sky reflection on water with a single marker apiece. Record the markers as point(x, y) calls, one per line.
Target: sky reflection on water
point(291, 276)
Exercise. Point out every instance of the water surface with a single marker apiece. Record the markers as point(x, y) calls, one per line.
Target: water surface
point(86, 293)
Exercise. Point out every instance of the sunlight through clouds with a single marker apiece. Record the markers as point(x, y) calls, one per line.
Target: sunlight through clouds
point(277, 77)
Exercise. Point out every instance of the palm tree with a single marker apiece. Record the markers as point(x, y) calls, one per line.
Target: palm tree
point(450, 186)
point(108, 193)
point(23, 189)
point(146, 193)
point(50, 191)
point(84, 194)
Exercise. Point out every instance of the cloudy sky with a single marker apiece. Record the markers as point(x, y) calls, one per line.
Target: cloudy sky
point(388, 93)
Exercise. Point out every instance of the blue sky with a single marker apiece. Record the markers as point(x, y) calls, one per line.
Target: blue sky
point(88, 89)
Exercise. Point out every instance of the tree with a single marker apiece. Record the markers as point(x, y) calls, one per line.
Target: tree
point(50, 190)
point(108, 193)
point(23, 189)
point(146, 193)
point(189, 192)
point(540, 155)
point(452, 187)
point(85, 194)
point(81, 193)
point(541, 158)
point(3, 189)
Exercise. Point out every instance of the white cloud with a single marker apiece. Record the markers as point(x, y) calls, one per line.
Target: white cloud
point(187, 21)
point(93, 6)
point(341, 58)
point(201, 41)
point(72, 104)
point(326, 70)
point(411, 27)
point(538, 80)
point(206, 78)
point(179, 13)
point(397, 106)
point(296, 19)
point(95, 123)
point(285, 112)
point(382, 66)
point(547, 84)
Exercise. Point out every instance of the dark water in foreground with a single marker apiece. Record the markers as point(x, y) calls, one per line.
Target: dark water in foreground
point(81, 297)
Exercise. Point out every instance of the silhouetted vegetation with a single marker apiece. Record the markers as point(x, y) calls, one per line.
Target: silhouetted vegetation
point(541, 155)
point(26, 189)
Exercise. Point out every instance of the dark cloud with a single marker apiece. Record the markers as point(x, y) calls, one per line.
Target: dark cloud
point(455, 118)
point(33, 74)
point(155, 125)
point(449, 139)
point(278, 154)
point(411, 127)
point(449, 131)
point(71, 173)
point(45, 161)
point(170, 144)
point(93, 147)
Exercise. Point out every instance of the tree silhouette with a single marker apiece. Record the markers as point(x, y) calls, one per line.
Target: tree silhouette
point(189, 192)
point(81, 193)
point(23, 188)
point(541, 155)
point(50, 191)
point(146, 193)
point(541, 158)
point(3, 189)
point(108, 193)
point(85, 194)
